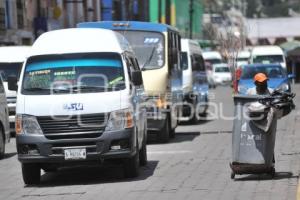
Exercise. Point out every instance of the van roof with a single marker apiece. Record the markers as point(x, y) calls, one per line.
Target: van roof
point(192, 45)
point(244, 54)
point(128, 25)
point(212, 55)
point(79, 40)
point(267, 50)
point(14, 54)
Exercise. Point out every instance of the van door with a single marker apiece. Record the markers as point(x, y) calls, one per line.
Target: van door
point(137, 98)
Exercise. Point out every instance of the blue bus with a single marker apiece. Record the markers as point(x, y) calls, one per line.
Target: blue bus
point(157, 48)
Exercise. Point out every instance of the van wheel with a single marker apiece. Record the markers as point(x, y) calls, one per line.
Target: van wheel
point(164, 134)
point(31, 173)
point(131, 166)
point(143, 154)
point(2, 145)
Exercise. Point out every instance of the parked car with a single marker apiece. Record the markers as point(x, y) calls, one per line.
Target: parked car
point(268, 55)
point(4, 121)
point(222, 74)
point(79, 102)
point(278, 78)
point(195, 85)
point(11, 61)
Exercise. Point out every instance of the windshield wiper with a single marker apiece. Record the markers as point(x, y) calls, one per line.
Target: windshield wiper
point(86, 87)
point(149, 59)
point(33, 89)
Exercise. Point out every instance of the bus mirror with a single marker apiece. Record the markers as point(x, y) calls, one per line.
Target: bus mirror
point(137, 78)
point(12, 83)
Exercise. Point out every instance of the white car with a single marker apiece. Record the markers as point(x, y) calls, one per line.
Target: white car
point(221, 74)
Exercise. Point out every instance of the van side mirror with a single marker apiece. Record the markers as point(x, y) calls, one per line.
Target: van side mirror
point(137, 78)
point(12, 82)
point(291, 76)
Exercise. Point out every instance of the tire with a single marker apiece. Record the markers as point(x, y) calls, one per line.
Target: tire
point(194, 119)
point(273, 172)
point(31, 173)
point(164, 134)
point(132, 165)
point(2, 144)
point(172, 133)
point(50, 169)
point(143, 154)
point(232, 175)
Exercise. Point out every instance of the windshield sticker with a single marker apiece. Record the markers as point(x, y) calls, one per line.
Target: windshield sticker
point(66, 73)
point(41, 72)
point(116, 80)
point(151, 40)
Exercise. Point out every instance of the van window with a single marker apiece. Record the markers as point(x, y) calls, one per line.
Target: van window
point(267, 59)
point(73, 74)
point(10, 69)
point(197, 63)
point(184, 60)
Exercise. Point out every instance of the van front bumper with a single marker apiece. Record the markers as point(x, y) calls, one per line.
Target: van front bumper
point(39, 149)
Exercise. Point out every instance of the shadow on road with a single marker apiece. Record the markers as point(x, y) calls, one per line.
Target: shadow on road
point(9, 155)
point(179, 137)
point(93, 175)
point(265, 177)
point(199, 122)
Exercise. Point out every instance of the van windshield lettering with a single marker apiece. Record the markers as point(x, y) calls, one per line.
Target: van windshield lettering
point(73, 75)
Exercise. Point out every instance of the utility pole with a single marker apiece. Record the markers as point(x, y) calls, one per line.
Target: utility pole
point(191, 18)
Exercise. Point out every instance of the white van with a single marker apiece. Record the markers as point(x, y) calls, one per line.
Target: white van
point(195, 85)
point(243, 58)
point(211, 58)
point(268, 55)
point(11, 61)
point(76, 103)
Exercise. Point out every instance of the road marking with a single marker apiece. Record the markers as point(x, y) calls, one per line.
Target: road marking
point(169, 152)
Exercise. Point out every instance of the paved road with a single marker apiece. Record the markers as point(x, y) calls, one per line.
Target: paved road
point(194, 165)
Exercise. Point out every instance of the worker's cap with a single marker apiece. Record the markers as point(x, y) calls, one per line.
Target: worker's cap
point(260, 77)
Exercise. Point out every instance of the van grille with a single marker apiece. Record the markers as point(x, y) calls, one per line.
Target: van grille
point(71, 127)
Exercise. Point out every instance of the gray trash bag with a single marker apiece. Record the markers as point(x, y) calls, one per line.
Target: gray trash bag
point(261, 115)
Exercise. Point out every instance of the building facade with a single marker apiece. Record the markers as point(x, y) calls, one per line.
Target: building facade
point(187, 16)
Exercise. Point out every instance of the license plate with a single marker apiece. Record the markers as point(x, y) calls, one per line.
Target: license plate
point(75, 154)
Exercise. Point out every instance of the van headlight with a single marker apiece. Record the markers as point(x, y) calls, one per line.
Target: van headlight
point(284, 87)
point(27, 124)
point(120, 120)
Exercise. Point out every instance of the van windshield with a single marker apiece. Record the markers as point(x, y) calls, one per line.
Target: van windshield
point(10, 69)
point(73, 74)
point(268, 59)
point(213, 61)
point(148, 48)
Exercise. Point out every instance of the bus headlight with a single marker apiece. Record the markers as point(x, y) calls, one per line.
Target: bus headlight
point(119, 120)
point(27, 124)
